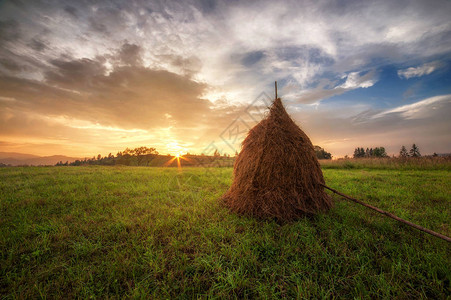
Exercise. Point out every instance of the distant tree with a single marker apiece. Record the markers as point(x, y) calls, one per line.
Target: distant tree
point(216, 153)
point(321, 153)
point(236, 153)
point(144, 151)
point(76, 163)
point(403, 152)
point(378, 152)
point(414, 151)
point(359, 152)
point(434, 155)
point(143, 154)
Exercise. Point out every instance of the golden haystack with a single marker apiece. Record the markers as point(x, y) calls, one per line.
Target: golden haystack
point(277, 174)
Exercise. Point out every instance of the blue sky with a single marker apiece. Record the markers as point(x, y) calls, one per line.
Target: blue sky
point(82, 78)
point(392, 90)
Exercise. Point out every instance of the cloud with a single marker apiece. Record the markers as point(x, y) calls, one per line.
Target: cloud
point(7, 99)
point(327, 89)
point(422, 70)
point(126, 66)
point(355, 80)
point(418, 110)
point(183, 65)
point(127, 97)
point(11, 65)
point(9, 30)
point(72, 11)
point(75, 74)
point(425, 123)
point(37, 45)
point(130, 54)
point(315, 95)
point(80, 104)
point(299, 41)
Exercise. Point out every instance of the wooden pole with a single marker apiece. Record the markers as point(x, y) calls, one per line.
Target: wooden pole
point(436, 234)
point(275, 84)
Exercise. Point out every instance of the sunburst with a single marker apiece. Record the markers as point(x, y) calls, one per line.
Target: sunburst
point(177, 157)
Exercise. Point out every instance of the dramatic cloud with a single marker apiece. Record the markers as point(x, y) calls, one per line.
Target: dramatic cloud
point(79, 100)
point(97, 76)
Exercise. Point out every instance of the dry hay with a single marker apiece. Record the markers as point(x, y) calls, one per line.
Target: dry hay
point(277, 174)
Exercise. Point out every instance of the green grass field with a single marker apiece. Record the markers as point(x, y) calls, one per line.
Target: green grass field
point(113, 232)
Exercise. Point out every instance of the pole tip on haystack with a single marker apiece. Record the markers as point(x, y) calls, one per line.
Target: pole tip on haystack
point(276, 173)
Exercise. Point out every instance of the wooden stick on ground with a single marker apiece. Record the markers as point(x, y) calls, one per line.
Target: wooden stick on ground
point(436, 234)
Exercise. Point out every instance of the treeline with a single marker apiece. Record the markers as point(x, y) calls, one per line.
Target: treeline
point(145, 156)
point(379, 152)
point(414, 152)
point(138, 156)
point(359, 152)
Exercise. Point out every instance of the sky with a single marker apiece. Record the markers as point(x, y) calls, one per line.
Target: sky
point(81, 78)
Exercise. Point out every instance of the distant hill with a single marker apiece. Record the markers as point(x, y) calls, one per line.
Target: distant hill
point(17, 159)
point(16, 155)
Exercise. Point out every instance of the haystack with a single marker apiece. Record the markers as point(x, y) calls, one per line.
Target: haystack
point(277, 174)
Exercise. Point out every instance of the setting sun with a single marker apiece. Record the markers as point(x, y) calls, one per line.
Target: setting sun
point(176, 148)
point(178, 157)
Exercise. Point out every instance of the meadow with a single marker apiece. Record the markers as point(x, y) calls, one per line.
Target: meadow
point(390, 163)
point(140, 232)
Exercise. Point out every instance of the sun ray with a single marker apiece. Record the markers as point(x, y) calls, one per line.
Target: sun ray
point(179, 165)
point(169, 162)
point(185, 158)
